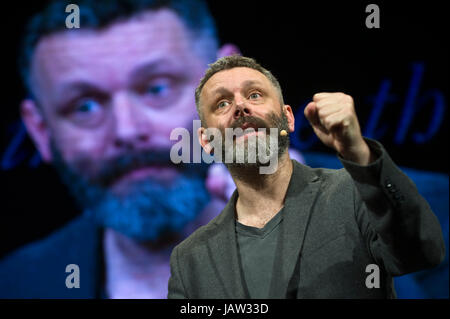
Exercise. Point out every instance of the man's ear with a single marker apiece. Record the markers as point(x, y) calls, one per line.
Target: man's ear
point(227, 49)
point(37, 128)
point(290, 117)
point(204, 142)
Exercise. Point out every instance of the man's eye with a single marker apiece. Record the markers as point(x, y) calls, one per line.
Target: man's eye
point(159, 89)
point(88, 106)
point(223, 104)
point(87, 112)
point(254, 96)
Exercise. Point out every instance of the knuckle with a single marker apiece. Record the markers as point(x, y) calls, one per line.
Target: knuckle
point(349, 99)
point(338, 95)
point(346, 98)
point(347, 107)
point(320, 104)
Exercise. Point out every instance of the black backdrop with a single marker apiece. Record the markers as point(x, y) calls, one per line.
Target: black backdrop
point(311, 46)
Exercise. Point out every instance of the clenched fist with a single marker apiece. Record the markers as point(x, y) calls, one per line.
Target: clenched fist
point(333, 118)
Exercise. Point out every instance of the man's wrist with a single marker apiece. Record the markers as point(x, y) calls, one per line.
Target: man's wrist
point(361, 155)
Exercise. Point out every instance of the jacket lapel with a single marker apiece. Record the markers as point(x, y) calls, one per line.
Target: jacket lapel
point(224, 253)
point(300, 197)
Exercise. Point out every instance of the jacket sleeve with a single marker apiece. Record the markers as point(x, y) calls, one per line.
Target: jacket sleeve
point(400, 230)
point(176, 287)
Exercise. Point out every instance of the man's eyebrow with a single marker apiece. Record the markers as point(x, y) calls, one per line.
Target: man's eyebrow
point(71, 91)
point(79, 87)
point(222, 91)
point(160, 65)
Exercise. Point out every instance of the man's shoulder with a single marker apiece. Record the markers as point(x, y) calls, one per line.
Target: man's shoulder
point(53, 243)
point(335, 177)
point(35, 265)
point(328, 176)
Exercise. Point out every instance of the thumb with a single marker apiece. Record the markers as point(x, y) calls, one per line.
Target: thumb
point(311, 115)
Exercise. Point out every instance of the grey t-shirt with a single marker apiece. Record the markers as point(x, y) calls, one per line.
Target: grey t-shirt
point(257, 247)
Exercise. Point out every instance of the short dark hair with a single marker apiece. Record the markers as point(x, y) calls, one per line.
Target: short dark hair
point(98, 14)
point(230, 62)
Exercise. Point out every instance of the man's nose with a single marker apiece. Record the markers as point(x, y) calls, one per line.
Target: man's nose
point(130, 131)
point(242, 109)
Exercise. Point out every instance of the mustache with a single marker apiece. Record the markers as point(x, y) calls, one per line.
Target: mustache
point(104, 172)
point(254, 121)
point(114, 168)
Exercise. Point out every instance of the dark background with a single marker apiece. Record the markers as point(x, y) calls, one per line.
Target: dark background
point(310, 46)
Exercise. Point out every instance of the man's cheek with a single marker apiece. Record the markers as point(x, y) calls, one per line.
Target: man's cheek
point(86, 165)
point(80, 145)
point(161, 136)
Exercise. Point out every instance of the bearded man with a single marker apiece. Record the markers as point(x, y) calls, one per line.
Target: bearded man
point(299, 232)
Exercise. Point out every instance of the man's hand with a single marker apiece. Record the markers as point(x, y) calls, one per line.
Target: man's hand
point(333, 118)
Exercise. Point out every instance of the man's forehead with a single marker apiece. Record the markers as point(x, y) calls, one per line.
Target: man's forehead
point(235, 78)
point(150, 33)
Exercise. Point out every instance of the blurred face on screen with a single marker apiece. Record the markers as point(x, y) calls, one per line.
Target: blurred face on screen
point(110, 99)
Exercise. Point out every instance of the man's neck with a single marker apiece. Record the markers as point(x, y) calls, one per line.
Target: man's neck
point(141, 269)
point(261, 196)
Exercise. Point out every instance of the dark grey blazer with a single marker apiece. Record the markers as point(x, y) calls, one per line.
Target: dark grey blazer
point(335, 223)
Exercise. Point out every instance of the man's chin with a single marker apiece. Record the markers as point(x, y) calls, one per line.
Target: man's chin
point(145, 210)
